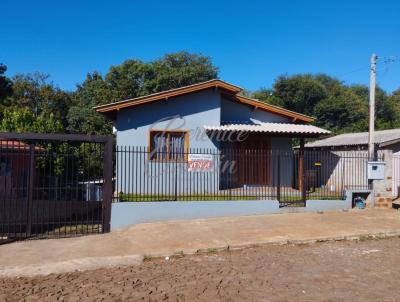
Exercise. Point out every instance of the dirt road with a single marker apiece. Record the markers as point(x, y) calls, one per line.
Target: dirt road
point(336, 271)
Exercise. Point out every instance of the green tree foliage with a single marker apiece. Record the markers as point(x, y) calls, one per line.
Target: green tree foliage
point(129, 80)
point(5, 84)
point(38, 95)
point(24, 120)
point(81, 117)
point(133, 78)
point(337, 107)
point(299, 93)
point(181, 69)
point(32, 95)
point(343, 111)
point(267, 95)
point(30, 102)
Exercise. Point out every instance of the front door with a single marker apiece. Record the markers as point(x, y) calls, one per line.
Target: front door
point(253, 161)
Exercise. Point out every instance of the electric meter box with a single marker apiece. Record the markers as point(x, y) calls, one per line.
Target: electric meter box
point(376, 170)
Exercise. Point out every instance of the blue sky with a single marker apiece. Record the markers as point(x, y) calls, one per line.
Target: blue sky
point(252, 42)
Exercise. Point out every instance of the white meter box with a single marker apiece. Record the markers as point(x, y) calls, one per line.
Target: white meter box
point(376, 170)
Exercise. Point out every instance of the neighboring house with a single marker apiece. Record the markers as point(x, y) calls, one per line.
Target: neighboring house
point(175, 123)
point(346, 146)
point(384, 139)
point(14, 169)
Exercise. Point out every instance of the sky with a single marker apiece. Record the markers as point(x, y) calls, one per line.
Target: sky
point(251, 42)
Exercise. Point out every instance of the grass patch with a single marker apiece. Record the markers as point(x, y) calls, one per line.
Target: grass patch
point(179, 254)
point(165, 197)
point(77, 229)
point(364, 237)
point(211, 251)
point(218, 197)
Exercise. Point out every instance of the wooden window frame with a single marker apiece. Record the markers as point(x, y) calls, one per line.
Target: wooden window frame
point(168, 132)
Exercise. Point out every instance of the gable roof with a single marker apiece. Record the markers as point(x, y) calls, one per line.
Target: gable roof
point(382, 138)
point(230, 90)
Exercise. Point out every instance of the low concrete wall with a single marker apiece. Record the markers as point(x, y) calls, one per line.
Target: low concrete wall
point(327, 205)
point(128, 213)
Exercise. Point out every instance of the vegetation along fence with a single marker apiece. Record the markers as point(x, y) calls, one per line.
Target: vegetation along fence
point(54, 185)
point(236, 174)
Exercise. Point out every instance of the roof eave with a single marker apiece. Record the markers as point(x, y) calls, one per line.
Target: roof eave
point(168, 94)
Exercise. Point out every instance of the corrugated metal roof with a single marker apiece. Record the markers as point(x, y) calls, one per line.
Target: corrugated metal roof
point(353, 139)
point(271, 128)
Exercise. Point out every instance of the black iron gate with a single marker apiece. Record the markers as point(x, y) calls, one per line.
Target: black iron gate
point(54, 185)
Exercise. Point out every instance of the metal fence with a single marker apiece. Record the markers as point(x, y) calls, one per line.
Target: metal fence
point(54, 185)
point(236, 174)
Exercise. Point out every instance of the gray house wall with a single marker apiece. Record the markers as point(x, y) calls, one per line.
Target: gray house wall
point(236, 112)
point(283, 145)
point(188, 112)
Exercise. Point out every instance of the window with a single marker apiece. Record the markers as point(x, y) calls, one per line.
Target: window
point(168, 145)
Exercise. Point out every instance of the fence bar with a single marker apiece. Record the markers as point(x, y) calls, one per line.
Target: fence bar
point(278, 184)
point(30, 189)
point(107, 183)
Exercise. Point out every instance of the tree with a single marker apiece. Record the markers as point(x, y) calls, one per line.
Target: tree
point(35, 92)
point(131, 79)
point(337, 107)
point(343, 112)
point(82, 118)
point(181, 69)
point(299, 93)
point(267, 96)
point(24, 120)
point(135, 78)
point(387, 110)
point(5, 84)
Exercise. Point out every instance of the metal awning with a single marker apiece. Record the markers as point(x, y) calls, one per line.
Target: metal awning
point(274, 128)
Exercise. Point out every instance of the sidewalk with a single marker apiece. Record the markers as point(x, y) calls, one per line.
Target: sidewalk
point(130, 245)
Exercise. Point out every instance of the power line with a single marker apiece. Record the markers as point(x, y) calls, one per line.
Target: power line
point(353, 71)
point(386, 60)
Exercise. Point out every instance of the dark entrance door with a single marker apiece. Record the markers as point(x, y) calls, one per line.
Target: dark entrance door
point(254, 161)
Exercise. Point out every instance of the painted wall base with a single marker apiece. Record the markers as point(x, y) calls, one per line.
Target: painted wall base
point(129, 213)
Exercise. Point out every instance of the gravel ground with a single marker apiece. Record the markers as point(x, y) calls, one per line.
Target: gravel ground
point(366, 270)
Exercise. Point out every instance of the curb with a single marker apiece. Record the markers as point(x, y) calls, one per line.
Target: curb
point(93, 263)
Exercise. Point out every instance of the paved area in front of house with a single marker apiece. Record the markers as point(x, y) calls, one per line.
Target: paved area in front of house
point(129, 246)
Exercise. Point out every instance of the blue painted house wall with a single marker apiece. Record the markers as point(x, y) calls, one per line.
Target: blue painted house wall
point(237, 112)
point(188, 112)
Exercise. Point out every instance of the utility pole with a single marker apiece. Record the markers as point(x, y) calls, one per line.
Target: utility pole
point(371, 144)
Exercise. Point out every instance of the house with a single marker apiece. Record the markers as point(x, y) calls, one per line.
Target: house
point(209, 118)
point(384, 140)
point(14, 169)
point(345, 146)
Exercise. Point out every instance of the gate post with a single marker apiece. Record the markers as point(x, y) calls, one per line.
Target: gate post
point(278, 185)
point(107, 184)
point(30, 190)
point(302, 176)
